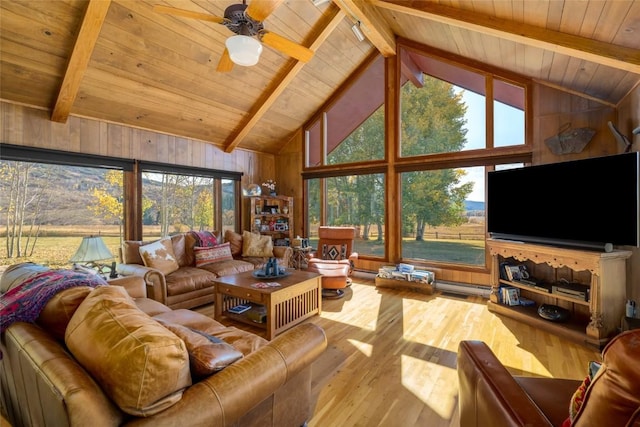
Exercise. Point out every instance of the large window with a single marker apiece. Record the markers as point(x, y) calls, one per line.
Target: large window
point(49, 204)
point(355, 201)
point(351, 129)
point(455, 122)
point(50, 200)
point(187, 199)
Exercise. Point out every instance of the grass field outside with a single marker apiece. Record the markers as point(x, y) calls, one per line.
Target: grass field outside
point(56, 245)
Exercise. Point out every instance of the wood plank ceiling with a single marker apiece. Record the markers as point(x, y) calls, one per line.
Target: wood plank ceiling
point(123, 62)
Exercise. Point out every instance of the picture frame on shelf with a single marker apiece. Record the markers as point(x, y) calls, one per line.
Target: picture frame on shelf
point(270, 209)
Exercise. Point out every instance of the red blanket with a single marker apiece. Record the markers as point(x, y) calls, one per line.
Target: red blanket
point(25, 302)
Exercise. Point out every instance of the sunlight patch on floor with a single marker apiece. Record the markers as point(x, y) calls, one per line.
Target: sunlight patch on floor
point(366, 349)
point(431, 383)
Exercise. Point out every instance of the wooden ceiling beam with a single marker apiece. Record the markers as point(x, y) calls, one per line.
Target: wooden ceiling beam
point(79, 60)
point(331, 19)
point(620, 57)
point(372, 24)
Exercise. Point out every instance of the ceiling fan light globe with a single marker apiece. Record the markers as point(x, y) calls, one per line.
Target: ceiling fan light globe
point(244, 50)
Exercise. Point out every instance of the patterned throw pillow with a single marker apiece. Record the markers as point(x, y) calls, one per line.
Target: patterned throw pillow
point(205, 238)
point(208, 255)
point(334, 252)
point(578, 397)
point(159, 255)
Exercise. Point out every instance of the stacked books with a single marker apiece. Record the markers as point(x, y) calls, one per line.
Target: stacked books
point(406, 272)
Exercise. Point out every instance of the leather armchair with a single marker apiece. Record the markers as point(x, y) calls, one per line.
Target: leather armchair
point(334, 259)
point(491, 396)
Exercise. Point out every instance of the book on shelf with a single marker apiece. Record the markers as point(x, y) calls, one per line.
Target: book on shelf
point(238, 309)
point(510, 295)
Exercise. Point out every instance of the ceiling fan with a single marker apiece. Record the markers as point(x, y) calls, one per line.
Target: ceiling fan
point(244, 47)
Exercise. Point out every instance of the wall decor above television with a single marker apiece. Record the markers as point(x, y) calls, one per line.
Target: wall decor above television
point(589, 203)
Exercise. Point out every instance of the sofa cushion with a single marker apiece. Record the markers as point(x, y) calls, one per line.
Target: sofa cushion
point(131, 251)
point(160, 255)
point(207, 255)
point(235, 241)
point(207, 354)
point(55, 316)
point(244, 341)
point(188, 279)
point(141, 366)
point(256, 245)
point(229, 267)
point(178, 244)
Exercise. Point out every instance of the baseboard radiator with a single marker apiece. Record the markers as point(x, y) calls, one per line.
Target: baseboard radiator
point(463, 288)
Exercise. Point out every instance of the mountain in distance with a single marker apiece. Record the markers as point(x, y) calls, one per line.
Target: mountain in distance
point(471, 205)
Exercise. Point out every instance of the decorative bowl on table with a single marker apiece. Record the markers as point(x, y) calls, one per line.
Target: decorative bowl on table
point(260, 274)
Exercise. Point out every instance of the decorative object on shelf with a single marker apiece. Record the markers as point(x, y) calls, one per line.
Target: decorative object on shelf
point(252, 190)
point(285, 209)
point(92, 249)
point(271, 186)
point(569, 140)
point(553, 313)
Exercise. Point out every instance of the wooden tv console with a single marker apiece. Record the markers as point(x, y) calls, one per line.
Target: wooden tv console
point(607, 288)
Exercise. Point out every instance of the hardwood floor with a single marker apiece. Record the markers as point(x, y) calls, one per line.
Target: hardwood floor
point(391, 357)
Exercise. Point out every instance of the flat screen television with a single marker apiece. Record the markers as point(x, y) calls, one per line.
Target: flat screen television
point(590, 203)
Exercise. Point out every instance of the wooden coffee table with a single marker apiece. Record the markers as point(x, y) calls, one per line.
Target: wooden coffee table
point(298, 298)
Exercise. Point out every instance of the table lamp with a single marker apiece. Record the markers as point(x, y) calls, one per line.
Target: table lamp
point(92, 249)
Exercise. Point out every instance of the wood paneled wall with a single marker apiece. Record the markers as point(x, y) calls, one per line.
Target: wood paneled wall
point(31, 127)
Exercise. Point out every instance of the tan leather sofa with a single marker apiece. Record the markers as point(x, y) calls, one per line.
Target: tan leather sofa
point(102, 357)
point(491, 396)
point(190, 286)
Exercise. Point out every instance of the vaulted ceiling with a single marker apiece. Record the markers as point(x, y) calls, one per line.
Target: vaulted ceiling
point(123, 61)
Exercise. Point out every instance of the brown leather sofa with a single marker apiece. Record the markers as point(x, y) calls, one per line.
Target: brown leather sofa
point(490, 396)
point(190, 286)
point(102, 357)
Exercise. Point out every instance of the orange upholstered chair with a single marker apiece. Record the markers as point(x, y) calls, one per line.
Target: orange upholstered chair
point(334, 259)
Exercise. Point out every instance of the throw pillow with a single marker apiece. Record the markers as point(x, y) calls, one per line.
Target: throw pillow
point(208, 255)
point(578, 397)
point(159, 255)
point(207, 354)
point(613, 398)
point(205, 238)
point(256, 245)
point(141, 366)
point(334, 252)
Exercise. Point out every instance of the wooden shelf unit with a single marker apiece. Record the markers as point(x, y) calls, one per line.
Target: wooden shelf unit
point(607, 288)
point(279, 224)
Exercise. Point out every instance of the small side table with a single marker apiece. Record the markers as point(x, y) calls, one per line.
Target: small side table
point(299, 258)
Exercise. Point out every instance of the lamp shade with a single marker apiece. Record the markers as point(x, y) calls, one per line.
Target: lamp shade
point(244, 50)
point(91, 249)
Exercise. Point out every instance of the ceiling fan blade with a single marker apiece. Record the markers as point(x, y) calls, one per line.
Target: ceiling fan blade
point(258, 10)
point(225, 65)
point(286, 46)
point(187, 14)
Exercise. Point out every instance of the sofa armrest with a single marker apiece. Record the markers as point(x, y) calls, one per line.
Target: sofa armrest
point(283, 254)
point(134, 285)
point(488, 393)
point(154, 280)
point(223, 398)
